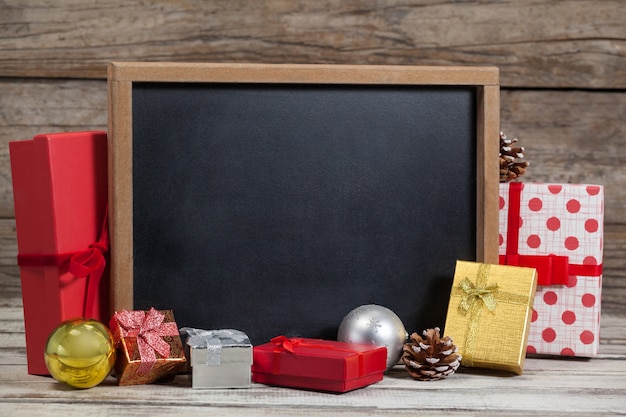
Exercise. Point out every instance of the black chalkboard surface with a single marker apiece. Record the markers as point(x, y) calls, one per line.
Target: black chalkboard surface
point(278, 207)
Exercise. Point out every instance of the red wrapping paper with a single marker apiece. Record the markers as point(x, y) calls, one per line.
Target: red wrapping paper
point(558, 230)
point(316, 364)
point(60, 196)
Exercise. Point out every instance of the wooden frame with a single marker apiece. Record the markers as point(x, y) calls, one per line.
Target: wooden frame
point(121, 77)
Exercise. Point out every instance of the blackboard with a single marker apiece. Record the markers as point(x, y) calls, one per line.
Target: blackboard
point(275, 199)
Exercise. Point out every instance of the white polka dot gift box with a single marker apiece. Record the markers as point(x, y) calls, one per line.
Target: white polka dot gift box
point(557, 229)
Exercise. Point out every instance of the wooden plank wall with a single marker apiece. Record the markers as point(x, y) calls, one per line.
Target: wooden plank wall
point(562, 66)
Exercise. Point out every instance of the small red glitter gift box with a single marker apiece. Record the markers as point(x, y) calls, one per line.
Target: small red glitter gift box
point(148, 346)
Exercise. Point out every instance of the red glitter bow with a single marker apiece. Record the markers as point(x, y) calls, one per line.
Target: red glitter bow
point(148, 327)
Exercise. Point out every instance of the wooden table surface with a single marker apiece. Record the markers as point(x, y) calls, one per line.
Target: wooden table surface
point(548, 387)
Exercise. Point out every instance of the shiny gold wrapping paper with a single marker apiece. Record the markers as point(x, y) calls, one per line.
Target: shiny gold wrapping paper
point(489, 314)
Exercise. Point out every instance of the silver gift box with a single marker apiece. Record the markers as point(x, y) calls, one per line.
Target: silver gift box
point(218, 358)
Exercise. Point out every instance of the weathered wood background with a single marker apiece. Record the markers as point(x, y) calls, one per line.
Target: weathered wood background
point(562, 66)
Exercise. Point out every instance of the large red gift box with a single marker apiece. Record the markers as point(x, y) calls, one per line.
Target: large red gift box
point(60, 194)
point(317, 364)
point(557, 229)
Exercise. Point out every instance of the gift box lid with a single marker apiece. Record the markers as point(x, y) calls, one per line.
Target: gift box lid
point(217, 347)
point(60, 190)
point(319, 359)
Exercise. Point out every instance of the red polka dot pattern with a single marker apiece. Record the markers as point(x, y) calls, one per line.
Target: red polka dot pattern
point(553, 223)
point(535, 204)
point(563, 220)
point(593, 189)
point(550, 298)
point(533, 241)
point(573, 281)
point(587, 337)
point(591, 225)
point(588, 300)
point(590, 260)
point(555, 188)
point(548, 335)
point(568, 317)
point(571, 243)
point(573, 206)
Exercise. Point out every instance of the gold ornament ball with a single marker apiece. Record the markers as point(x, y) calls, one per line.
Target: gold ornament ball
point(80, 353)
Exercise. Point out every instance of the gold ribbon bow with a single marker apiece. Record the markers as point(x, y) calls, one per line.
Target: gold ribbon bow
point(473, 293)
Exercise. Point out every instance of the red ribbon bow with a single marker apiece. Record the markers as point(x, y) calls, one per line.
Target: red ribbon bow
point(288, 344)
point(551, 269)
point(148, 327)
point(88, 263)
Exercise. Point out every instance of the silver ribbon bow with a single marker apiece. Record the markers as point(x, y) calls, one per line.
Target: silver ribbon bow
point(213, 341)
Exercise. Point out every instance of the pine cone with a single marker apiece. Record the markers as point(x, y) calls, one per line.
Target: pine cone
point(510, 167)
point(431, 357)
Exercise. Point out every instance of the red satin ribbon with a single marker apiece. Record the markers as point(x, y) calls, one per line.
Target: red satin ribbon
point(88, 263)
point(149, 329)
point(288, 344)
point(551, 269)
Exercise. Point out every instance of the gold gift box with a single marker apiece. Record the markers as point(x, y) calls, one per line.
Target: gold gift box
point(489, 314)
point(128, 363)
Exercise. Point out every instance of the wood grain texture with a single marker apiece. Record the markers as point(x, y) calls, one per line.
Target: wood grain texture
point(614, 279)
point(558, 43)
point(31, 107)
point(190, 72)
point(8, 243)
point(551, 386)
point(570, 136)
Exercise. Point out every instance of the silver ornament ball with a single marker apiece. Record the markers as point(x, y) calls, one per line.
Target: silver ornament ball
point(376, 325)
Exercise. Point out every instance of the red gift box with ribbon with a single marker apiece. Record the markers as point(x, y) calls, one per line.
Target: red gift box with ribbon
point(316, 364)
point(558, 230)
point(148, 346)
point(60, 197)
